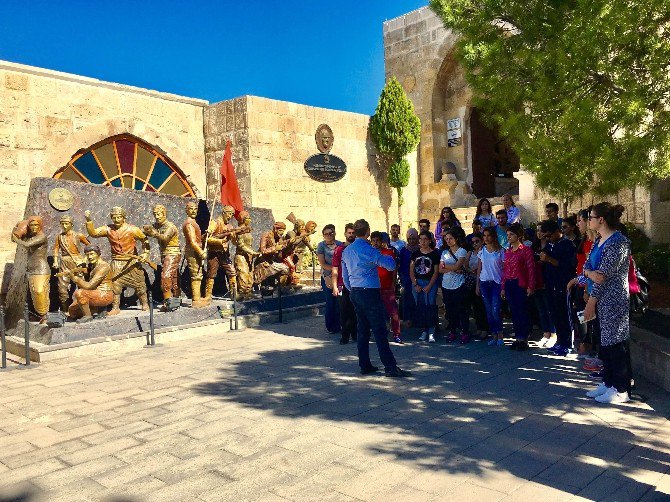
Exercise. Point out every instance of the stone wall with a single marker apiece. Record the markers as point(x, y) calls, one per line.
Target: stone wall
point(46, 116)
point(418, 51)
point(271, 141)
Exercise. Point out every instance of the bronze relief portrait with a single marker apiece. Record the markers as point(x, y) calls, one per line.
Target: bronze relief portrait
point(324, 138)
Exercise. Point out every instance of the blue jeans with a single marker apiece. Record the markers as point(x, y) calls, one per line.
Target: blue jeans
point(426, 306)
point(332, 313)
point(541, 298)
point(490, 291)
point(456, 311)
point(371, 315)
point(517, 300)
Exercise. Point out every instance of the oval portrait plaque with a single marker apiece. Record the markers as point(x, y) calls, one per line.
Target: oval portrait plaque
point(61, 199)
point(325, 167)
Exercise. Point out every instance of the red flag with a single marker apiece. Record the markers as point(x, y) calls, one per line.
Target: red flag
point(230, 192)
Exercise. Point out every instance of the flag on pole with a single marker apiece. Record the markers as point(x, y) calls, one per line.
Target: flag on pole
point(230, 192)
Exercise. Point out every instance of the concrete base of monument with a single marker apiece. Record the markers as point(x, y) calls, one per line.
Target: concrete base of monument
point(131, 328)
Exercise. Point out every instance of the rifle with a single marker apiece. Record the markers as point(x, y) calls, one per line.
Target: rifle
point(78, 270)
point(136, 257)
point(232, 232)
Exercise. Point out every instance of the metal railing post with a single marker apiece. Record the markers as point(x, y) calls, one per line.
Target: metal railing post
point(2, 336)
point(26, 332)
point(152, 339)
point(281, 312)
point(235, 308)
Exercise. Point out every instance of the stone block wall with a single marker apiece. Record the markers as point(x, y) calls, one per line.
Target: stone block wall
point(271, 141)
point(418, 51)
point(47, 116)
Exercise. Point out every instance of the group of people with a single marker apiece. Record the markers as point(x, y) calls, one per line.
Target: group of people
point(569, 276)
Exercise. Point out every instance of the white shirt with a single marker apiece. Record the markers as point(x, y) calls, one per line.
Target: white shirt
point(452, 280)
point(492, 265)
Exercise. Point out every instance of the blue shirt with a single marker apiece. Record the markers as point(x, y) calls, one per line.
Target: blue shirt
point(403, 268)
point(398, 245)
point(359, 264)
point(502, 237)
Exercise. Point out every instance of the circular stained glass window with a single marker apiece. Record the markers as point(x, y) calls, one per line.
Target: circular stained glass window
point(125, 161)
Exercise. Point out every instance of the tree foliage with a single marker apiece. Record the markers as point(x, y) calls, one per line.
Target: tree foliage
point(396, 130)
point(398, 176)
point(580, 88)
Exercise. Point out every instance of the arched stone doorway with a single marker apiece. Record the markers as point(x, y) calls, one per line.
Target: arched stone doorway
point(479, 162)
point(125, 161)
point(493, 162)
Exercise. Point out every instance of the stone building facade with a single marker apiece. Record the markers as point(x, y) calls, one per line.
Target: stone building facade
point(419, 52)
point(47, 118)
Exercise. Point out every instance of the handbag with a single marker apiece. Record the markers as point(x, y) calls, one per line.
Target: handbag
point(639, 290)
point(470, 278)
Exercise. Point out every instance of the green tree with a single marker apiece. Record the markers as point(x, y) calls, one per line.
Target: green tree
point(580, 88)
point(396, 130)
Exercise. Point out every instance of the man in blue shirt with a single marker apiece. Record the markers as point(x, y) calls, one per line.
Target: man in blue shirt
point(501, 228)
point(359, 268)
point(559, 262)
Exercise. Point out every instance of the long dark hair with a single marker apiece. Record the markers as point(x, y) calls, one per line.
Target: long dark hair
point(459, 235)
point(479, 207)
point(493, 233)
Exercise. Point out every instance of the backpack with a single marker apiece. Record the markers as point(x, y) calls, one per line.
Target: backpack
point(638, 286)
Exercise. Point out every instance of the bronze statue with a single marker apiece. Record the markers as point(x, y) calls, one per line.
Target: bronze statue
point(299, 238)
point(193, 251)
point(126, 264)
point(272, 261)
point(67, 256)
point(96, 291)
point(167, 235)
point(244, 258)
point(29, 234)
point(220, 232)
point(324, 138)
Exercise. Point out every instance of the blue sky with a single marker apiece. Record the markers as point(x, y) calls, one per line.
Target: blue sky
point(326, 54)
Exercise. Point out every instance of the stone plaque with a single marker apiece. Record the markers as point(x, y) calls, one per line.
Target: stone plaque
point(61, 199)
point(325, 168)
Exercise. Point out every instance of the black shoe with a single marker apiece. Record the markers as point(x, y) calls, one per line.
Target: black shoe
point(515, 345)
point(370, 370)
point(397, 373)
point(523, 346)
point(354, 338)
point(344, 341)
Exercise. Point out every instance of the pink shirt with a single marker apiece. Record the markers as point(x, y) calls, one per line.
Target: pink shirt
point(519, 264)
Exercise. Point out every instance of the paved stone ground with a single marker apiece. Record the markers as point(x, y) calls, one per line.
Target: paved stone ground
point(281, 414)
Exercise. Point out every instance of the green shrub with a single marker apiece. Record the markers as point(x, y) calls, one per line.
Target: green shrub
point(654, 262)
point(639, 240)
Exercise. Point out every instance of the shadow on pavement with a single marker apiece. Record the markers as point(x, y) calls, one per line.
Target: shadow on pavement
point(466, 410)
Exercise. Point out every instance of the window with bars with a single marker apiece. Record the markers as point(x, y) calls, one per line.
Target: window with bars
point(125, 161)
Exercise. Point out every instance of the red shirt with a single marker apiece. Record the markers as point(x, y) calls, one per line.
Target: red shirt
point(581, 257)
point(337, 262)
point(519, 264)
point(386, 276)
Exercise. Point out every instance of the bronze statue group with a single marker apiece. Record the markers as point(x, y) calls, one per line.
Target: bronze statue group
point(99, 285)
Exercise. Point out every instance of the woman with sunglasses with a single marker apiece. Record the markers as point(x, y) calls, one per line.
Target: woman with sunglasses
point(446, 221)
point(606, 272)
point(324, 253)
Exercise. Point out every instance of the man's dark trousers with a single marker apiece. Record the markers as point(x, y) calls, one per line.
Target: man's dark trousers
point(371, 315)
point(347, 315)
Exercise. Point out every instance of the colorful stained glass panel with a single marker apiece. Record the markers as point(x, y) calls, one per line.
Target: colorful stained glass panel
point(87, 165)
point(107, 159)
point(160, 173)
point(145, 160)
point(126, 153)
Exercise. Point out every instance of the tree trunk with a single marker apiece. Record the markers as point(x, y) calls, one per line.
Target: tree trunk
point(400, 202)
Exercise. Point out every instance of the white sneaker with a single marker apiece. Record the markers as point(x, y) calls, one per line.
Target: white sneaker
point(423, 336)
point(613, 397)
point(598, 391)
point(431, 339)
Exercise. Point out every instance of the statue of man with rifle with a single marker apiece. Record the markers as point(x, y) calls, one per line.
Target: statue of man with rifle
point(126, 264)
point(219, 234)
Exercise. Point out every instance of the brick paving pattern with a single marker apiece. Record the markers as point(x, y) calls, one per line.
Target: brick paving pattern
point(281, 414)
